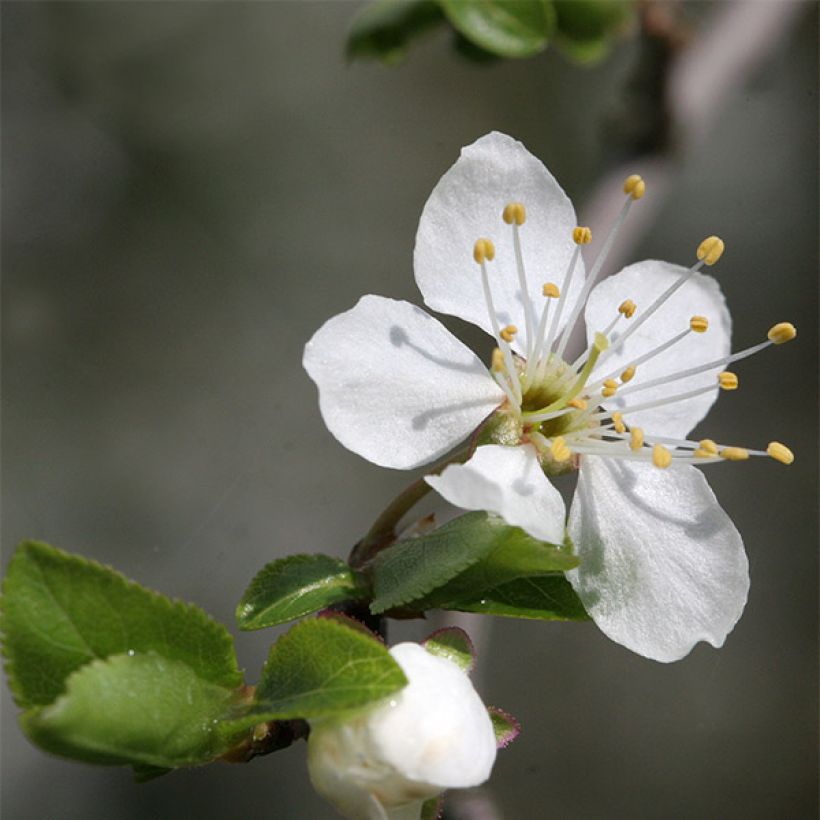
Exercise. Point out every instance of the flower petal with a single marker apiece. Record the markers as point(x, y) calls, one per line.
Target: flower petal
point(662, 565)
point(395, 386)
point(700, 296)
point(508, 481)
point(466, 205)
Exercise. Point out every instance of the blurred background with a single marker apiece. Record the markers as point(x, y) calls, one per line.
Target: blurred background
point(191, 189)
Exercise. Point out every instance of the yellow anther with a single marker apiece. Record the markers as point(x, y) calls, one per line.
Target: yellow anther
point(497, 360)
point(701, 453)
point(782, 332)
point(508, 333)
point(483, 251)
point(700, 324)
point(551, 290)
point(601, 342)
point(708, 446)
point(635, 438)
point(710, 250)
point(515, 212)
point(628, 374)
point(727, 380)
point(559, 449)
point(578, 404)
point(734, 453)
point(780, 452)
point(618, 421)
point(627, 308)
point(661, 457)
point(581, 235)
point(634, 186)
point(610, 388)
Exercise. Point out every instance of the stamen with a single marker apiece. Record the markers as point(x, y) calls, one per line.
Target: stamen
point(727, 380)
point(635, 439)
point(628, 374)
point(508, 333)
point(782, 332)
point(734, 453)
point(515, 214)
point(618, 421)
point(559, 449)
point(710, 250)
point(708, 446)
point(578, 404)
point(659, 403)
point(483, 251)
point(610, 388)
point(779, 452)
point(581, 235)
point(699, 324)
point(497, 364)
point(634, 186)
point(661, 457)
point(550, 291)
point(627, 308)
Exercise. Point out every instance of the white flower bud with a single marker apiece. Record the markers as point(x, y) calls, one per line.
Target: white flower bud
point(383, 762)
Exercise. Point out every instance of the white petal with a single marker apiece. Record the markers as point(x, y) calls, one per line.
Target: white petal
point(700, 296)
point(662, 565)
point(466, 205)
point(395, 386)
point(508, 481)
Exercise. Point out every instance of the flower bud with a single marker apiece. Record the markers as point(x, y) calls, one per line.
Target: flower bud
point(386, 760)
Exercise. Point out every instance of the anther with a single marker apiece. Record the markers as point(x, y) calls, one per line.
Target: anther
point(515, 212)
point(710, 250)
point(581, 235)
point(634, 186)
point(578, 404)
point(661, 457)
point(551, 290)
point(708, 446)
point(559, 449)
point(699, 452)
point(610, 388)
point(727, 380)
point(734, 453)
point(497, 360)
point(628, 374)
point(782, 332)
point(627, 308)
point(618, 421)
point(508, 333)
point(635, 439)
point(699, 324)
point(779, 452)
point(483, 251)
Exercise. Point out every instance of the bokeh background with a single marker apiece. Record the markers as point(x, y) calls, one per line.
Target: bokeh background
point(191, 189)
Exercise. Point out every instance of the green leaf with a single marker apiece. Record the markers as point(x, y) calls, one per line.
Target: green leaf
point(296, 586)
point(454, 644)
point(140, 709)
point(545, 598)
point(432, 808)
point(384, 30)
point(61, 612)
point(505, 726)
point(508, 28)
point(321, 667)
point(585, 27)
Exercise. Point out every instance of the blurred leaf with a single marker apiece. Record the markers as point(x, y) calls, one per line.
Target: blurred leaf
point(507, 28)
point(141, 709)
point(454, 644)
point(61, 612)
point(586, 27)
point(505, 726)
point(384, 30)
point(321, 667)
point(432, 808)
point(295, 586)
point(545, 598)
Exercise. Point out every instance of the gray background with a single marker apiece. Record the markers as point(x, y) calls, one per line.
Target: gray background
point(189, 191)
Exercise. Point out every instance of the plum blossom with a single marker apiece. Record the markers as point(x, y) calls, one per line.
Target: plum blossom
point(384, 762)
point(661, 564)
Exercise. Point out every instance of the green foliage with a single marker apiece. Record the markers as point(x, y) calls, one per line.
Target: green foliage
point(384, 30)
point(295, 586)
point(321, 667)
point(505, 726)
point(585, 28)
point(454, 644)
point(141, 709)
point(460, 560)
point(506, 28)
point(61, 612)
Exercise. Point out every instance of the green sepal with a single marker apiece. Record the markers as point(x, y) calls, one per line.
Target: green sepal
point(432, 809)
point(506, 28)
point(295, 586)
point(141, 709)
point(61, 612)
point(505, 726)
point(454, 644)
point(320, 667)
point(385, 29)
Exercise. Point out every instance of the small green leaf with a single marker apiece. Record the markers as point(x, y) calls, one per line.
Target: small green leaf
point(544, 598)
point(60, 612)
point(584, 28)
point(507, 28)
point(140, 709)
point(454, 644)
point(385, 29)
point(505, 726)
point(296, 586)
point(321, 667)
point(432, 808)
